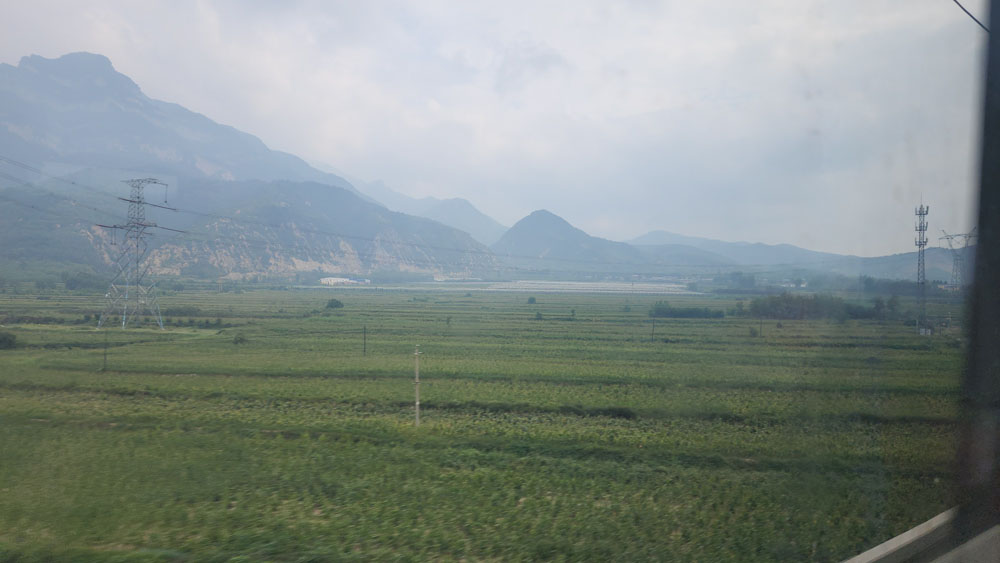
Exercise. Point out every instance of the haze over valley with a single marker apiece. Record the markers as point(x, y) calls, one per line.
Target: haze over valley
point(73, 128)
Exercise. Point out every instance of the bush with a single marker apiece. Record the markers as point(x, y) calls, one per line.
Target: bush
point(531, 301)
point(240, 339)
point(663, 309)
point(334, 304)
point(7, 340)
point(84, 280)
point(182, 311)
point(819, 306)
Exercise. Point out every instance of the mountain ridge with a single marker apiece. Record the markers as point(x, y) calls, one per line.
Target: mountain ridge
point(455, 212)
point(78, 109)
point(77, 113)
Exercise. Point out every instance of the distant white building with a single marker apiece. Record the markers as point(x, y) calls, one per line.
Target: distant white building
point(344, 281)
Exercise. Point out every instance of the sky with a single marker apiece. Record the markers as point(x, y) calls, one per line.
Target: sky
point(815, 123)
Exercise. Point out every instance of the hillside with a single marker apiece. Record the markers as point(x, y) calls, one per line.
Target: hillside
point(78, 110)
point(744, 253)
point(754, 256)
point(454, 212)
point(544, 236)
point(72, 128)
point(545, 241)
point(315, 228)
point(274, 229)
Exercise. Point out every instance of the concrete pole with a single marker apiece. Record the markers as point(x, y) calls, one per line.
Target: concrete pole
point(416, 383)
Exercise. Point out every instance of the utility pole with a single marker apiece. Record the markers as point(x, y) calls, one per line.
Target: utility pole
point(652, 329)
point(921, 242)
point(129, 294)
point(416, 383)
point(105, 367)
point(364, 340)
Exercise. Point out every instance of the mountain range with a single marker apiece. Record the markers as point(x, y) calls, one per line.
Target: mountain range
point(72, 128)
point(454, 212)
point(545, 241)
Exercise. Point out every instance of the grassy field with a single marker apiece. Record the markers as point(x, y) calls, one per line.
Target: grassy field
point(254, 428)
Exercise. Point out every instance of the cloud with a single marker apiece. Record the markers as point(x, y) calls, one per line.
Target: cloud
point(819, 123)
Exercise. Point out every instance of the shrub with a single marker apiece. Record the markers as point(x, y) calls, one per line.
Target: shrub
point(7, 340)
point(240, 339)
point(531, 301)
point(538, 316)
point(84, 280)
point(334, 304)
point(182, 310)
point(819, 306)
point(663, 309)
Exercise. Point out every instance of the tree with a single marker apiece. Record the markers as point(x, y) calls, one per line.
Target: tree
point(663, 309)
point(531, 301)
point(741, 280)
point(7, 340)
point(892, 305)
point(334, 304)
point(879, 308)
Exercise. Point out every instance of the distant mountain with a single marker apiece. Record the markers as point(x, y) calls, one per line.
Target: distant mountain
point(682, 255)
point(72, 128)
point(462, 215)
point(544, 235)
point(751, 256)
point(78, 110)
point(454, 212)
point(545, 240)
point(741, 253)
point(937, 265)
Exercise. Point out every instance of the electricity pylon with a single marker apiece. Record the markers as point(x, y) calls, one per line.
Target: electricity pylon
point(959, 245)
point(130, 294)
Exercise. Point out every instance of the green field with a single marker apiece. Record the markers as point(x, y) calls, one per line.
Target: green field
point(254, 428)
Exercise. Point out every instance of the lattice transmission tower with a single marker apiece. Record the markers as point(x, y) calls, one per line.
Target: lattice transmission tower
point(130, 294)
point(921, 242)
point(959, 245)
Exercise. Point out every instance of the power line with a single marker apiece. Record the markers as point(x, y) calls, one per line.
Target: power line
point(968, 13)
point(39, 172)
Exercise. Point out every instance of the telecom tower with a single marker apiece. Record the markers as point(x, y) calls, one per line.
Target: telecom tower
point(129, 294)
point(958, 252)
point(921, 242)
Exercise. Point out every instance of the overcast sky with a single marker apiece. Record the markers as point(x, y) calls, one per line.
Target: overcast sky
point(817, 123)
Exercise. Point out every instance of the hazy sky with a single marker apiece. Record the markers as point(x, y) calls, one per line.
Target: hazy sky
point(818, 123)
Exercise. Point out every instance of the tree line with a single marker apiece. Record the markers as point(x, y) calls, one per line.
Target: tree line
point(821, 306)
